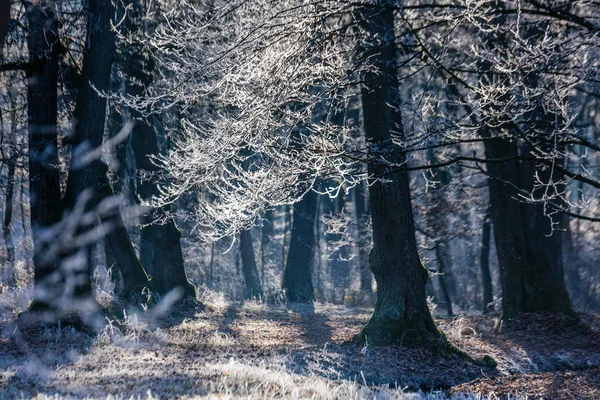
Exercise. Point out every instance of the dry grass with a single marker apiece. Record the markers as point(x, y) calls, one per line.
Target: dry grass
point(250, 351)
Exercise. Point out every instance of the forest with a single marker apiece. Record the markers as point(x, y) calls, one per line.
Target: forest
point(300, 199)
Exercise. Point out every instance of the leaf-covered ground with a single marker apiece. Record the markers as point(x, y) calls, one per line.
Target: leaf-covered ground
point(254, 350)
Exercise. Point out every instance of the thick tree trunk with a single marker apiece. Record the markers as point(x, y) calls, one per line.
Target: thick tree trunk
point(297, 276)
point(508, 224)
point(160, 243)
point(530, 262)
point(44, 177)
point(401, 314)
point(484, 264)
point(91, 116)
point(366, 276)
point(251, 278)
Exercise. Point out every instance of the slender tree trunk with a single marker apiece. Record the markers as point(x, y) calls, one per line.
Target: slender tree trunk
point(443, 278)
point(44, 177)
point(8, 201)
point(251, 278)
point(287, 223)
point(297, 276)
point(486, 276)
point(401, 314)
point(8, 213)
point(265, 240)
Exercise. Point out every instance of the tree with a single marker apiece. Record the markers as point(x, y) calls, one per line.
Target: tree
point(160, 242)
point(44, 178)
point(366, 276)
point(251, 278)
point(401, 314)
point(297, 275)
point(484, 263)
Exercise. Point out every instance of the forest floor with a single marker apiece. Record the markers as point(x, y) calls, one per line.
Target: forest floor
point(254, 350)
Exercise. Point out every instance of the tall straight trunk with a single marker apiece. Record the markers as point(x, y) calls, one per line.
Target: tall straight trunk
point(90, 112)
point(441, 259)
point(287, 223)
point(160, 243)
point(266, 234)
point(366, 276)
point(44, 178)
point(8, 213)
point(530, 261)
point(508, 224)
point(252, 280)
point(8, 200)
point(484, 264)
point(401, 314)
point(297, 276)
point(4, 21)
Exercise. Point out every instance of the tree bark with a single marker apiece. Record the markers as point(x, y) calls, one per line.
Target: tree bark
point(9, 200)
point(4, 21)
point(443, 278)
point(8, 213)
point(530, 262)
point(44, 178)
point(265, 241)
point(160, 243)
point(401, 314)
point(366, 276)
point(484, 263)
point(90, 112)
point(297, 276)
point(251, 278)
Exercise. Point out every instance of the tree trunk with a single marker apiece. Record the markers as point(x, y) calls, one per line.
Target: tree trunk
point(265, 240)
point(91, 116)
point(443, 278)
point(530, 262)
point(251, 278)
point(484, 263)
point(4, 21)
point(366, 276)
point(297, 276)
point(401, 314)
point(44, 177)
point(9, 200)
point(160, 243)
